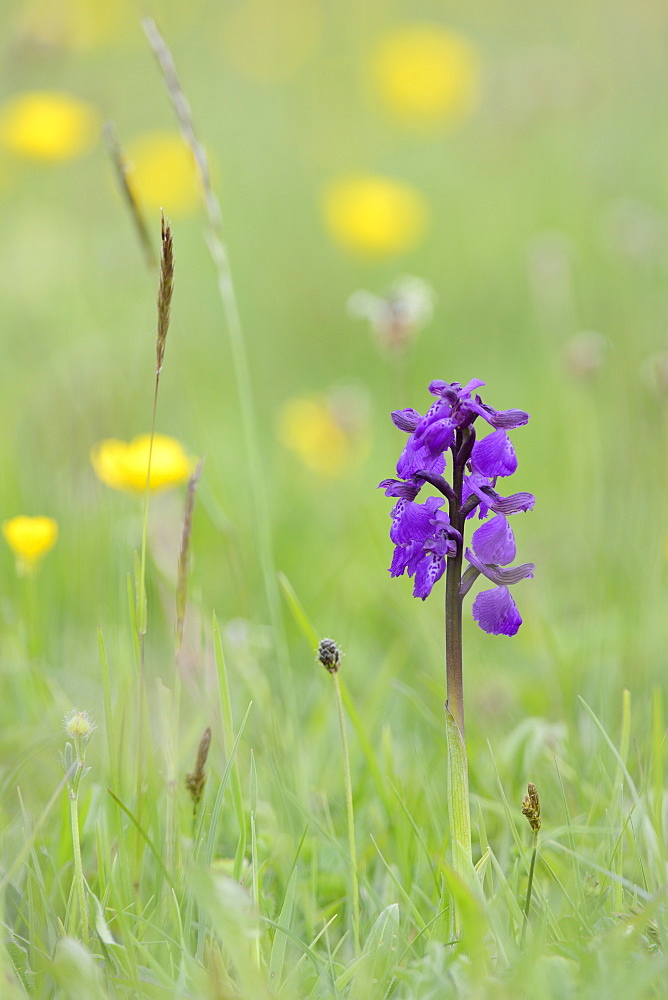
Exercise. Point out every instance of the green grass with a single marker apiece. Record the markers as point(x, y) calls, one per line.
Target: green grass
point(252, 897)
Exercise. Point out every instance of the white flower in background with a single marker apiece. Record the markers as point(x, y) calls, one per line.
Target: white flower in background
point(397, 316)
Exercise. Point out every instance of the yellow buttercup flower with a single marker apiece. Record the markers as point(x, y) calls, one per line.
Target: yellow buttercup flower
point(373, 215)
point(329, 433)
point(123, 464)
point(30, 538)
point(48, 125)
point(424, 74)
point(162, 173)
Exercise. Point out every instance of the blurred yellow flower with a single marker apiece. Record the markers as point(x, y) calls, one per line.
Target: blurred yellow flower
point(48, 125)
point(424, 74)
point(329, 433)
point(123, 464)
point(162, 173)
point(373, 215)
point(30, 538)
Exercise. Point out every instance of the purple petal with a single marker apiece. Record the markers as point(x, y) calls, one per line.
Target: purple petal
point(508, 505)
point(478, 485)
point(475, 406)
point(438, 436)
point(494, 455)
point(494, 542)
point(416, 459)
point(400, 557)
point(475, 383)
point(437, 411)
point(496, 612)
point(414, 521)
point(406, 420)
point(501, 577)
point(399, 488)
point(437, 386)
point(443, 543)
point(417, 553)
point(507, 419)
point(429, 570)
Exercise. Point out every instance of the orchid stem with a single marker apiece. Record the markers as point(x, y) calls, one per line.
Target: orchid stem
point(458, 779)
point(454, 600)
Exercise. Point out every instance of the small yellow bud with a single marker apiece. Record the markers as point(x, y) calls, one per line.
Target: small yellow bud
point(79, 724)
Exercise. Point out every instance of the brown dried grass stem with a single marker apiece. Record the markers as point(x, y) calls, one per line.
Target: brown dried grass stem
point(120, 167)
point(184, 556)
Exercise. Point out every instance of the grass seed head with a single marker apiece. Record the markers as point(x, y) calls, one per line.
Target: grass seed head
point(165, 290)
point(329, 655)
point(196, 780)
point(531, 807)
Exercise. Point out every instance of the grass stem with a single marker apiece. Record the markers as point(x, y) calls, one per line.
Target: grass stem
point(352, 849)
point(220, 256)
point(527, 902)
point(76, 848)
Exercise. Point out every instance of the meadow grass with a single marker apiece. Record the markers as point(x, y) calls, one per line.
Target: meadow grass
point(120, 881)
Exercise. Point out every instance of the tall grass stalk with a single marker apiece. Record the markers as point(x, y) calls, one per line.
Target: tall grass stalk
point(165, 291)
point(220, 255)
point(255, 868)
point(108, 716)
point(73, 761)
point(527, 902)
point(329, 655)
point(78, 867)
point(350, 816)
point(120, 168)
point(228, 742)
point(184, 557)
point(164, 301)
point(531, 809)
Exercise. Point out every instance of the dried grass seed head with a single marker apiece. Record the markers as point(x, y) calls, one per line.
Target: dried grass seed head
point(531, 807)
point(165, 290)
point(196, 779)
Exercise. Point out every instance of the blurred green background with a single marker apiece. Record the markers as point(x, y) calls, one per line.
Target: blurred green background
point(541, 176)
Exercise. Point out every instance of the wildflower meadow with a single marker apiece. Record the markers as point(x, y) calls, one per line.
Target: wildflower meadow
point(334, 512)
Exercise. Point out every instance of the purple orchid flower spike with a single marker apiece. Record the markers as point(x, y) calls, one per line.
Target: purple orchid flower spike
point(444, 452)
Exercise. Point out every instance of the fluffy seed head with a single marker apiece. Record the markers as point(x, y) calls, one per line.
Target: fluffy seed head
point(79, 724)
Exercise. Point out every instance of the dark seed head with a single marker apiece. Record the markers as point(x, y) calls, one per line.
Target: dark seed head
point(329, 655)
point(196, 780)
point(531, 807)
